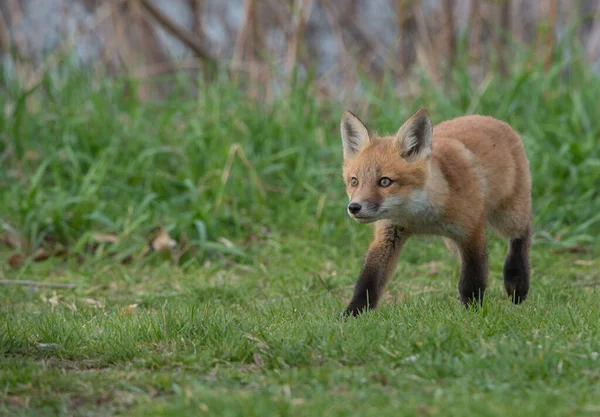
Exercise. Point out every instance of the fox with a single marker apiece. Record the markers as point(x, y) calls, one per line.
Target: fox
point(454, 181)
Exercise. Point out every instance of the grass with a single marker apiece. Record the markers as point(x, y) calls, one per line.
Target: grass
point(267, 341)
point(244, 321)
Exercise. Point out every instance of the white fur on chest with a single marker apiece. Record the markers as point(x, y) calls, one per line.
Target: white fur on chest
point(417, 215)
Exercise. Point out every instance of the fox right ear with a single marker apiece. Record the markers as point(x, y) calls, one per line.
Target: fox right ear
point(414, 137)
point(355, 134)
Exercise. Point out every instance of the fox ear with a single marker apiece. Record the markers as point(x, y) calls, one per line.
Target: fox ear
point(355, 134)
point(414, 137)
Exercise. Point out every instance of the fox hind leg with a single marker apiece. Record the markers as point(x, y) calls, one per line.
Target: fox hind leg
point(516, 267)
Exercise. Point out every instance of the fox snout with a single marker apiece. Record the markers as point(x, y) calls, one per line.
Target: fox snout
point(363, 212)
point(354, 208)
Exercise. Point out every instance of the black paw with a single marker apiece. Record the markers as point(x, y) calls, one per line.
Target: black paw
point(517, 291)
point(473, 299)
point(354, 310)
point(516, 282)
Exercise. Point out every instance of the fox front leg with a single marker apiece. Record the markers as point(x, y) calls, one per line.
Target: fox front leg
point(380, 263)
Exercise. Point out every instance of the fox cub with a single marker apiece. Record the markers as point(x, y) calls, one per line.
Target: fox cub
point(451, 181)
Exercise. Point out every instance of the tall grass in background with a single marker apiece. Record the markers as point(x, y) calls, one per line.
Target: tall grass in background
point(82, 155)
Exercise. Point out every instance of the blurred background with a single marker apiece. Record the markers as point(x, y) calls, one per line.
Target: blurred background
point(267, 40)
point(214, 124)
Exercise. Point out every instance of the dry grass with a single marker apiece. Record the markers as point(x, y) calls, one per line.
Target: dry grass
point(426, 38)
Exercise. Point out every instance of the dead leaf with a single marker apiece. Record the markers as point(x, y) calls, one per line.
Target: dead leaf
point(410, 359)
point(41, 255)
point(95, 303)
point(163, 242)
point(48, 346)
point(298, 401)
point(77, 401)
point(340, 388)
point(226, 242)
point(583, 262)
point(423, 410)
point(60, 252)
point(258, 360)
point(53, 301)
point(126, 260)
point(12, 238)
point(103, 399)
point(123, 397)
point(31, 155)
point(572, 249)
point(17, 402)
point(128, 311)
point(16, 260)
point(182, 248)
point(104, 238)
point(143, 252)
point(380, 379)
point(433, 268)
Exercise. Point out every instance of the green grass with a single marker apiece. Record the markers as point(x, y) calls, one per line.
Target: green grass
point(246, 321)
point(267, 341)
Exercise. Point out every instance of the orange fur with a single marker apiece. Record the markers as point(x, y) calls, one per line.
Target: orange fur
point(452, 180)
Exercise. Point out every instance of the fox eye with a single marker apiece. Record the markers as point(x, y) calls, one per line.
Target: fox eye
point(354, 182)
point(385, 182)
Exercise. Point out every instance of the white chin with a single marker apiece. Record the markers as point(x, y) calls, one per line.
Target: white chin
point(365, 220)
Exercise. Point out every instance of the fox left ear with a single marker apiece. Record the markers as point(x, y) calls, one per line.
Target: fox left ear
point(355, 134)
point(414, 137)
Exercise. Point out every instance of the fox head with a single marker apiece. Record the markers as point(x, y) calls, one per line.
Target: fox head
point(386, 176)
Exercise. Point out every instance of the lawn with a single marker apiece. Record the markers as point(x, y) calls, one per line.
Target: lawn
point(241, 317)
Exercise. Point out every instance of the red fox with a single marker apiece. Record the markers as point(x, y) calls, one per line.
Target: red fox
point(451, 181)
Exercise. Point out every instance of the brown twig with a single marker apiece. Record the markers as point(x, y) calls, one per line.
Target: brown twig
point(367, 47)
point(500, 35)
point(449, 36)
point(591, 284)
point(517, 28)
point(161, 68)
point(346, 61)
point(296, 36)
point(4, 34)
point(475, 43)
point(197, 9)
point(35, 283)
point(120, 42)
point(425, 46)
point(551, 24)
point(249, 46)
point(143, 45)
point(236, 149)
point(185, 36)
point(593, 37)
point(405, 23)
point(16, 17)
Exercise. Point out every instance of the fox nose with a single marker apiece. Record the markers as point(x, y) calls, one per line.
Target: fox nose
point(354, 208)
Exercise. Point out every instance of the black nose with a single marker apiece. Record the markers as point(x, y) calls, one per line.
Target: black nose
point(354, 208)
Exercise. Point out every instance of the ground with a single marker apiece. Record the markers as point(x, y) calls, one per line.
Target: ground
point(267, 340)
